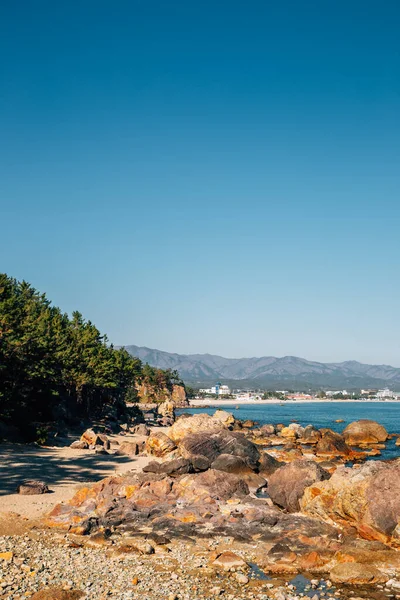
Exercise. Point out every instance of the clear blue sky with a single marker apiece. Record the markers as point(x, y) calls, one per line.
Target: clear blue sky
point(217, 177)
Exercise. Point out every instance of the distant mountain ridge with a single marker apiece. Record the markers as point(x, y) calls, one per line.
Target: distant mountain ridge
point(269, 371)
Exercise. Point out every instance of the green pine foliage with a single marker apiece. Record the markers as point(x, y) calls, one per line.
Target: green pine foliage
point(50, 362)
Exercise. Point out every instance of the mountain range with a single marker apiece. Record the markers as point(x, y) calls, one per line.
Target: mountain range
point(269, 372)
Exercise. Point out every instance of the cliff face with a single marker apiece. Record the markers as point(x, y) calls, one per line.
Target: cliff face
point(149, 394)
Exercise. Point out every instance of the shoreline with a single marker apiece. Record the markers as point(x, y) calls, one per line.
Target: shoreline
point(211, 403)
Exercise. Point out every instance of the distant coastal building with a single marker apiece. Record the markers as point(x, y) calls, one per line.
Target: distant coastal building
point(217, 390)
point(386, 393)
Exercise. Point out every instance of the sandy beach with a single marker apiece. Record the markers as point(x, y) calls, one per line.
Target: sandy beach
point(63, 469)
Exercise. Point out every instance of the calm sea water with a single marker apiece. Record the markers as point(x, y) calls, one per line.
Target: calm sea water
point(320, 414)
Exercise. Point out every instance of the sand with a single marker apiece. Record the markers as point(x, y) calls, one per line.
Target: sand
point(63, 469)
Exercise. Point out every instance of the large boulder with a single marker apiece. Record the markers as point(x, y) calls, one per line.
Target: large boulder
point(366, 497)
point(91, 438)
point(173, 468)
point(364, 432)
point(212, 445)
point(200, 423)
point(131, 448)
point(159, 444)
point(286, 486)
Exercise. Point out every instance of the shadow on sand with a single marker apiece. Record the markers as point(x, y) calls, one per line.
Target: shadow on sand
point(19, 462)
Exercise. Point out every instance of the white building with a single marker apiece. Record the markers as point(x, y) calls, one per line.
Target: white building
point(217, 390)
point(386, 393)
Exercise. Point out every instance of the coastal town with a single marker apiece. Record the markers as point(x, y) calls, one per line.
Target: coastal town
point(224, 392)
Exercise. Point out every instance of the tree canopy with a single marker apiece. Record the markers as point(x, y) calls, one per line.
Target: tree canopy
point(50, 361)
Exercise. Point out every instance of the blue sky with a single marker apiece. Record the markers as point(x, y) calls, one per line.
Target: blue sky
point(214, 177)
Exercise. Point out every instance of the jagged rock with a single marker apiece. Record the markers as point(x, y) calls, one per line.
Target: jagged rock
point(167, 410)
point(200, 463)
point(159, 444)
point(332, 444)
point(79, 445)
point(239, 466)
point(200, 423)
point(366, 497)
point(31, 487)
point(212, 445)
point(364, 432)
point(353, 573)
point(179, 396)
point(287, 484)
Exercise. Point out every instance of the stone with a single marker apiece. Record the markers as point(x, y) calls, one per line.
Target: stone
point(167, 410)
point(198, 423)
point(310, 435)
point(141, 429)
point(241, 578)
point(31, 487)
point(91, 438)
point(130, 448)
point(79, 445)
point(353, 573)
point(366, 497)
point(364, 432)
point(217, 484)
point(159, 444)
point(212, 445)
point(332, 444)
point(6, 556)
point(229, 560)
point(58, 594)
point(286, 485)
point(176, 467)
point(268, 465)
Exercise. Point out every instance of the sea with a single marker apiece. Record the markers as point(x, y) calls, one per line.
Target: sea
point(319, 414)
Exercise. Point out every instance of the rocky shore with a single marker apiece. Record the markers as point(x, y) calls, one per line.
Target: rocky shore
point(221, 508)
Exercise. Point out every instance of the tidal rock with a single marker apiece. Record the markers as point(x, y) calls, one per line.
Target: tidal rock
point(32, 487)
point(353, 573)
point(366, 497)
point(286, 485)
point(159, 444)
point(310, 435)
point(332, 444)
point(364, 432)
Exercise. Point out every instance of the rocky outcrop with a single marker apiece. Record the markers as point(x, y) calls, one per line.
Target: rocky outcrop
point(159, 444)
point(200, 423)
point(268, 465)
point(286, 485)
point(179, 396)
point(212, 445)
point(365, 497)
point(365, 432)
